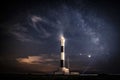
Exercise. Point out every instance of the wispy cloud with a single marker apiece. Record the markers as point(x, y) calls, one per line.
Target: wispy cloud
point(34, 60)
point(39, 28)
point(31, 60)
point(22, 37)
point(36, 18)
point(22, 33)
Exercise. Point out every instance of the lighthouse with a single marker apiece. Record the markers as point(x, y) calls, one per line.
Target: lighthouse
point(62, 57)
point(63, 69)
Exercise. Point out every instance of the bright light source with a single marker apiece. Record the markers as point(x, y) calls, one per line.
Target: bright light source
point(62, 40)
point(89, 56)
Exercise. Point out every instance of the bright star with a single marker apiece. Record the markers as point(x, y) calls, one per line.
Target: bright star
point(89, 56)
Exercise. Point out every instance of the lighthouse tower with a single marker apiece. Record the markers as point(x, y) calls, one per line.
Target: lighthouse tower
point(63, 69)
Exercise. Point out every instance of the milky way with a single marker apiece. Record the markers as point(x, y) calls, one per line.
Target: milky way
point(87, 30)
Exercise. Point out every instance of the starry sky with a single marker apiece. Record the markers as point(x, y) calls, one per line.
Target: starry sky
point(30, 35)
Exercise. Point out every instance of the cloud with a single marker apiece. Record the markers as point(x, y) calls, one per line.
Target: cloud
point(22, 36)
point(42, 62)
point(20, 32)
point(39, 28)
point(23, 33)
point(32, 32)
point(36, 18)
point(34, 60)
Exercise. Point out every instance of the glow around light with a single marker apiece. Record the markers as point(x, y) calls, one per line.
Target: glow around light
point(89, 56)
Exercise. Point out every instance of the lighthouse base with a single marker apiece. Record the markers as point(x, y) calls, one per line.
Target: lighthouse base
point(63, 70)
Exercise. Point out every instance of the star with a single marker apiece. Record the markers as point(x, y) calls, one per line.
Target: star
point(89, 56)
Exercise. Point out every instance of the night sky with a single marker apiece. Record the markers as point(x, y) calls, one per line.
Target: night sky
point(30, 35)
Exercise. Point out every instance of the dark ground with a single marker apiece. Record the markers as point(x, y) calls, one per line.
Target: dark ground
point(57, 77)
